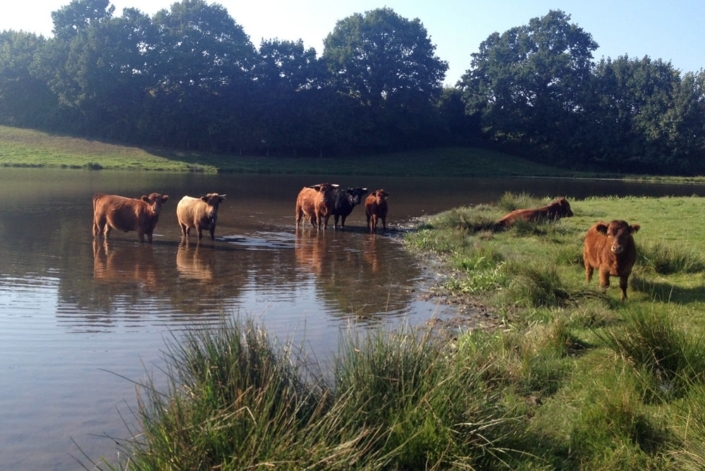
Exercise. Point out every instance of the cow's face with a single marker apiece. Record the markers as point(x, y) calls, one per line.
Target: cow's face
point(155, 201)
point(212, 201)
point(380, 195)
point(355, 195)
point(618, 233)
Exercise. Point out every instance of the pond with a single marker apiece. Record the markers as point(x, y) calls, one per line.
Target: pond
point(82, 321)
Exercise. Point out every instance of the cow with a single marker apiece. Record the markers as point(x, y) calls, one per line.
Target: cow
point(376, 209)
point(557, 209)
point(610, 249)
point(201, 213)
point(316, 203)
point(343, 203)
point(127, 214)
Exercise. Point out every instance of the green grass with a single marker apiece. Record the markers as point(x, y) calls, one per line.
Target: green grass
point(28, 148)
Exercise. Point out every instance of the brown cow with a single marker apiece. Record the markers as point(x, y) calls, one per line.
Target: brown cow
point(201, 213)
point(127, 214)
point(610, 249)
point(316, 203)
point(375, 209)
point(554, 211)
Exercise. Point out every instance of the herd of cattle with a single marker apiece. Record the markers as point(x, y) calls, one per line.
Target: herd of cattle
point(608, 247)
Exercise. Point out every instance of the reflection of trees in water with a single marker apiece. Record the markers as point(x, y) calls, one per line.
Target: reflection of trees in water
point(359, 274)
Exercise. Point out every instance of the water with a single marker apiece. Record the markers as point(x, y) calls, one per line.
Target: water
point(82, 321)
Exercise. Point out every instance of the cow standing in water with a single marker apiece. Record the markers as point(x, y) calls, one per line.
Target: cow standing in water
point(201, 213)
point(316, 203)
point(554, 211)
point(376, 209)
point(343, 203)
point(610, 249)
point(127, 214)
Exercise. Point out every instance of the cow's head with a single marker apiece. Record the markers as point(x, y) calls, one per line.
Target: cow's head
point(619, 234)
point(155, 201)
point(380, 195)
point(355, 195)
point(561, 208)
point(212, 201)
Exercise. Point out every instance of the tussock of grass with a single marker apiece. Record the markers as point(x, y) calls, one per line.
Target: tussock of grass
point(650, 341)
point(666, 259)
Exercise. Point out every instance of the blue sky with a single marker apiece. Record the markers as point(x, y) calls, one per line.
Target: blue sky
point(669, 30)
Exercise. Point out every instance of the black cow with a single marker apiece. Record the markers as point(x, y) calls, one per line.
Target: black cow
point(345, 200)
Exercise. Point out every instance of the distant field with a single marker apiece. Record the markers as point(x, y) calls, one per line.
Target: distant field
point(28, 148)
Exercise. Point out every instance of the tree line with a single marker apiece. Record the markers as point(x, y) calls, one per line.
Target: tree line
point(189, 78)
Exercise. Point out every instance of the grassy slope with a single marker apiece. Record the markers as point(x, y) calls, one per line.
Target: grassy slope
point(28, 148)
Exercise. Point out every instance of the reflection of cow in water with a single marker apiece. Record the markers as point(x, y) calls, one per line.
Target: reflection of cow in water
point(125, 264)
point(355, 274)
point(195, 263)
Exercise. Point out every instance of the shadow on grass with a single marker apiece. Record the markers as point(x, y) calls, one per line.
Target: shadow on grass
point(666, 292)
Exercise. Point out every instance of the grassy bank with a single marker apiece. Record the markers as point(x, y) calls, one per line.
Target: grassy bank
point(573, 378)
point(28, 148)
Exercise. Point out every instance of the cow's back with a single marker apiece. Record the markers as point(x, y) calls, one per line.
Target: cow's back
point(596, 248)
point(190, 209)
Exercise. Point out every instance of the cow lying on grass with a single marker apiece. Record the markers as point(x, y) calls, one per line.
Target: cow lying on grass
point(554, 211)
point(610, 249)
point(127, 214)
point(201, 213)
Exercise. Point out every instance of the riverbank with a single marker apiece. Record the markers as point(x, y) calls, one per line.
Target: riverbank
point(571, 378)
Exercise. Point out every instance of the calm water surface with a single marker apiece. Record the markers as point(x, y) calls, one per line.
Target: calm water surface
point(81, 321)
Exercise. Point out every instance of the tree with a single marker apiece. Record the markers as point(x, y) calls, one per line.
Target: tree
point(388, 65)
point(204, 75)
point(24, 99)
point(645, 117)
point(529, 83)
point(379, 55)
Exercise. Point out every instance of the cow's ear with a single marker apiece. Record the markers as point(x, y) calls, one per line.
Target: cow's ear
point(222, 198)
point(634, 228)
point(601, 228)
point(204, 198)
point(164, 198)
point(374, 193)
point(145, 198)
point(315, 187)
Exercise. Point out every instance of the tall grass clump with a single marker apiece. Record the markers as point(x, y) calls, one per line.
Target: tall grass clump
point(666, 259)
point(470, 219)
point(649, 340)
point(234, 401)
point(690, 455)
point(432, 410)
point(537, 285)
point(392, 400)
point(511, 201)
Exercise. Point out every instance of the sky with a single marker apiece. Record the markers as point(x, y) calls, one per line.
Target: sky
point(669, 30)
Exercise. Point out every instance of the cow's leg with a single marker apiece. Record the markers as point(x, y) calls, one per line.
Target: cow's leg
point(588, 272)
point(336, 217)
point(212, 231)
point(623, 285)
point(384, 223)
point(604, 279)
point(374, 223)
point(106, 230)
point(342, 222)
point(184, 230)
point(140, 235)
point(200, 232)
point(325, 222)
point(369, 227)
